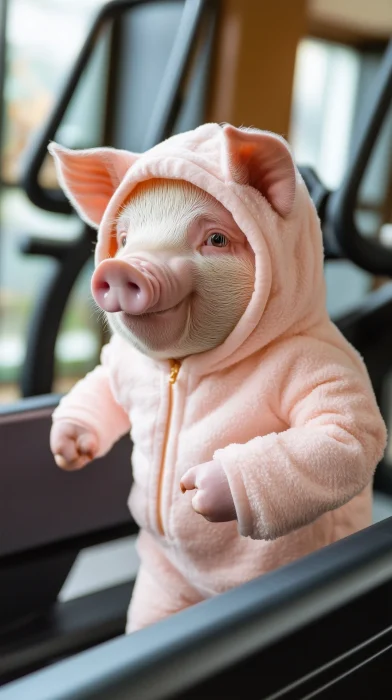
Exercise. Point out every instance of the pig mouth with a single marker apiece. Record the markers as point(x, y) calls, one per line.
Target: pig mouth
point(165, 311)
point(156, 331)
point(150, 315)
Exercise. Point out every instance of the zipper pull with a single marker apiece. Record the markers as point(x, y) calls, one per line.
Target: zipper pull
point(175, 368)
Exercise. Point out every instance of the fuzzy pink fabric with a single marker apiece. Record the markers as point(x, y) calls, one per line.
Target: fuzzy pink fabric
point(285, 403)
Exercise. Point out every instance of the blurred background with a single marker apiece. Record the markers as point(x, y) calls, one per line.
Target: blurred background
point(302, 68)
point(88, 73)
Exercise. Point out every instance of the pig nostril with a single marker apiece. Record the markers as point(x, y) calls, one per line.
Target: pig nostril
point(104, 286)
point(134, 288)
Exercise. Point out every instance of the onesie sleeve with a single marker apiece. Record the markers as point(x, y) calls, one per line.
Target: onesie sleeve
point(334, 439)
point(92, 404)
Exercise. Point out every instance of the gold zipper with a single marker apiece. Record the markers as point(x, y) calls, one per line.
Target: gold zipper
point(174, 370)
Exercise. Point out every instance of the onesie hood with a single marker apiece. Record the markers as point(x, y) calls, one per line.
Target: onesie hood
point(253, 175)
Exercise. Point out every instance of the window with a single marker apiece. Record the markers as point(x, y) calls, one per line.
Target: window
point(43, 38)
point(331, 92)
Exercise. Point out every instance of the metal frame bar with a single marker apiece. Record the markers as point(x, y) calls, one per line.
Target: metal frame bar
point(37, 553)
point(167, 104)
point(44, 324)
point(71, 627)
point(53, 200)
point(368, 254)
point(24, 432)
point(174, 657)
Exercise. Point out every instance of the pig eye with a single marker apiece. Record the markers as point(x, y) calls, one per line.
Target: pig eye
point(123, 239)
point(218, 240)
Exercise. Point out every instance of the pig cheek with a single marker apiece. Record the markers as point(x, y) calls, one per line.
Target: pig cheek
point(227, 282)
point(224, 289)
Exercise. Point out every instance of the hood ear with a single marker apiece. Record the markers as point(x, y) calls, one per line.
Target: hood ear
point(90, 177)
point(262, 160)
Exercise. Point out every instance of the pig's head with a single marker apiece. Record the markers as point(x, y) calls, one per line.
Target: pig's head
point(178, 272)
point(183, 274)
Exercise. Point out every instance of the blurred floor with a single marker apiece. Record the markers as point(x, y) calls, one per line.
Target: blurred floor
point(101, 566)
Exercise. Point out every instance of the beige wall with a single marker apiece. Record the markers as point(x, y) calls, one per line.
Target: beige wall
point(368, 18)
point(252, 76)
point(254, 66)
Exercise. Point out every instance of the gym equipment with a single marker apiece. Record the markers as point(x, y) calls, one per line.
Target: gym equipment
point(318, 628)
point(269, 619)
point(197, 21)
point(46, 518)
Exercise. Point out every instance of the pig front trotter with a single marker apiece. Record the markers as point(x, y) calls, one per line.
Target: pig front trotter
point(213, 499)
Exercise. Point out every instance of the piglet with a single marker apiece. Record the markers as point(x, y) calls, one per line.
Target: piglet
point(254, 425)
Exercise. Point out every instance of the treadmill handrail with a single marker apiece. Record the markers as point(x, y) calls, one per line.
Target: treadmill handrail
point(60, 498)
point(71, 257)
point(339, 221)
point(197, 643)
point(54, 200)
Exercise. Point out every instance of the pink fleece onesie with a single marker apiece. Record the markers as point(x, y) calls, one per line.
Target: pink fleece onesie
point(285, 403)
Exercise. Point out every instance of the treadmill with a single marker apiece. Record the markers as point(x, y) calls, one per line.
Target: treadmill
point(320, 627)
point(254, 624)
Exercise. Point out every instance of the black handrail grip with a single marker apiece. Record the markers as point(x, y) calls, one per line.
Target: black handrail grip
point(166, 104)
point(38, 369)
point(367, 254)
point(53, 200)
point(46, 199)
point(50, 247)
point(320, 195)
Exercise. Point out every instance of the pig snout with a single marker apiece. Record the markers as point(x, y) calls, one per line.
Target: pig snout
point(118, 285)
point(138, 286)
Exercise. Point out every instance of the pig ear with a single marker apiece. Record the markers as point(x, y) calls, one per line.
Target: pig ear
point(262, 160)
point(90, 177)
